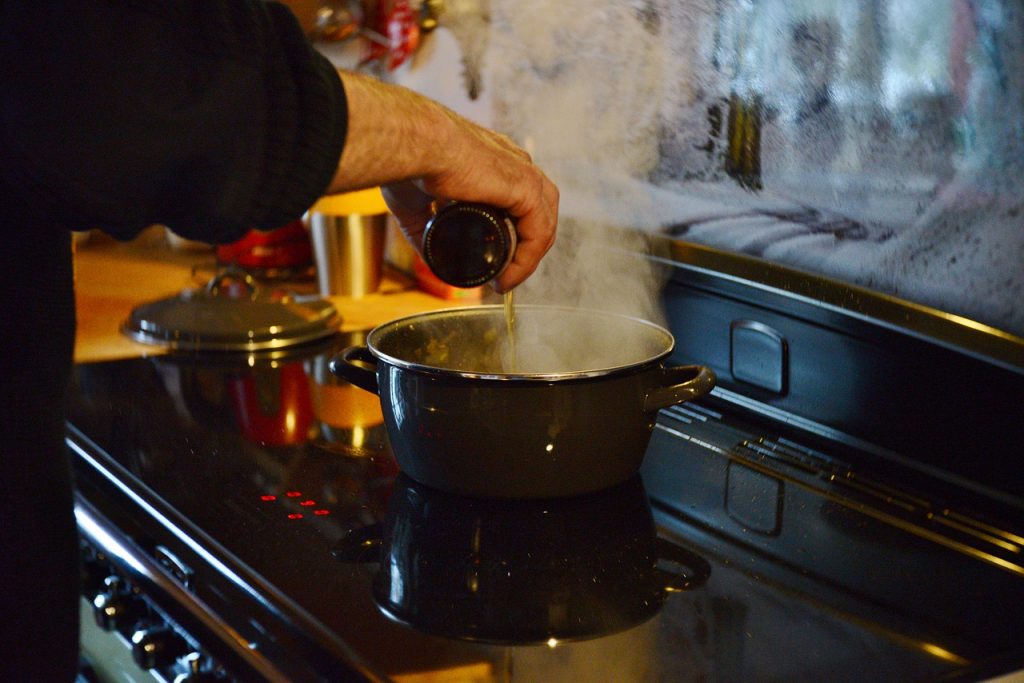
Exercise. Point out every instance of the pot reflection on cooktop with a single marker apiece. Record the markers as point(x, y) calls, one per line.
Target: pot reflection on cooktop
point(521, 572)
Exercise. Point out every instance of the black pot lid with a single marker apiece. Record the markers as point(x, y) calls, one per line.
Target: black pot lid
point(215, 319)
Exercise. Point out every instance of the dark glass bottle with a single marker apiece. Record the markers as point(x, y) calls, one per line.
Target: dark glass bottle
point(468, 244)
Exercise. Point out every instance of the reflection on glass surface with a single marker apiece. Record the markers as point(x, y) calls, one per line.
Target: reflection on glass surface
point(521, 572)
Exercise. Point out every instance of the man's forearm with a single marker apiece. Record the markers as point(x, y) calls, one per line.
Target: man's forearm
point(392, 135)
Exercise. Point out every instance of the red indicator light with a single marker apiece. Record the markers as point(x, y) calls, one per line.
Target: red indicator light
point(294, 494)
point(308, 503)
point(295, 515)
point(321, 513)
point(268, 498)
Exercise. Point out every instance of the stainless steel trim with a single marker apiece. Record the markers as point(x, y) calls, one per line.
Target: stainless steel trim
point(812, 427)
point(952, 331)
point(154, 583)
point(170, 526)
point(199, 543)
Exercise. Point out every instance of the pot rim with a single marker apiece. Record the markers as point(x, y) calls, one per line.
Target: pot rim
point(384, 328)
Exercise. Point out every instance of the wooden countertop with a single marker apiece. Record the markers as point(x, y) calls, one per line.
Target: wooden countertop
point(111, 278)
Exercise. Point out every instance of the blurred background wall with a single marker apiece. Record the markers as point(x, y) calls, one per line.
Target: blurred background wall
point(880, 142)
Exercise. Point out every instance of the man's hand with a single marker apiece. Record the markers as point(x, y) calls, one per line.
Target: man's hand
point(420, 152)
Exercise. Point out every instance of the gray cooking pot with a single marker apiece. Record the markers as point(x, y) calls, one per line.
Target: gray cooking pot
point(572, 414)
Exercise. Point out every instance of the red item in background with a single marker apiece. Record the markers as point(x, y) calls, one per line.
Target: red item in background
point(397, 23)
point(284, 247)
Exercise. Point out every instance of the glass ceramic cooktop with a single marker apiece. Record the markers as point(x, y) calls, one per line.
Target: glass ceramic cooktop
point(288, 469)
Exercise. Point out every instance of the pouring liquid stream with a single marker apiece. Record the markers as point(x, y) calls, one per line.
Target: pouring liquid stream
point(510, 331)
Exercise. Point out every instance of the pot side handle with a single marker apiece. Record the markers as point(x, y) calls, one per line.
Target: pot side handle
point(344, 365)
point(673, 558)
point(680, 383)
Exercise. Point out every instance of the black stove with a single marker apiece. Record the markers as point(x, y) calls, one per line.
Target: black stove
point(258, 529)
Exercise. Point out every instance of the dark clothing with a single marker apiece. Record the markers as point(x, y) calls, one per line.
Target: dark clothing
point(209, 117)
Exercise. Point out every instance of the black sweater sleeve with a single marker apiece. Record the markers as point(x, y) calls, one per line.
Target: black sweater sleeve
point(209, 117)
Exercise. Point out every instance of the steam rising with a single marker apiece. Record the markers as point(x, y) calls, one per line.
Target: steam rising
point(593, 134)
point(891, 141)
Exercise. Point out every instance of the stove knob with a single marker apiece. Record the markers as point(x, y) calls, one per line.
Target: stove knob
point(157, 647)
point(116, 607)
point(195, 674)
